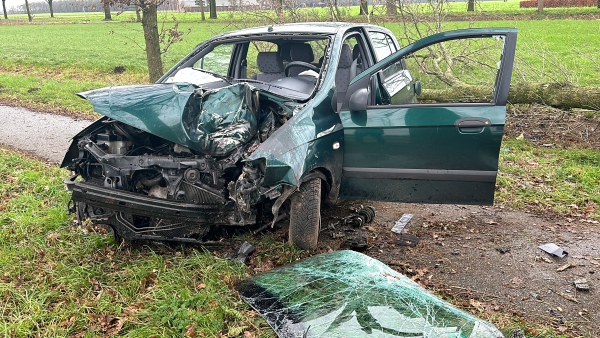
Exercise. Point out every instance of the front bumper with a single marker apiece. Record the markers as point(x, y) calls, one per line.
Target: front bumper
point(142, 205)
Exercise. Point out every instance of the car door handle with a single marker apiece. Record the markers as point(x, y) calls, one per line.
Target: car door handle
point(472, 124)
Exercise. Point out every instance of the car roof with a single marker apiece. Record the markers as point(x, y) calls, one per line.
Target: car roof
point(300, 28)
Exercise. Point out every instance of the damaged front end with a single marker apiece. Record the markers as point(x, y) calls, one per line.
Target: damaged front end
point(166, 160)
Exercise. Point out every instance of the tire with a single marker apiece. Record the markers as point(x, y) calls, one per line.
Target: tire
point(305, 215)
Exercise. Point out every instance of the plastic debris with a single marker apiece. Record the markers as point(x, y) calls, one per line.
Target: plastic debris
point(554, 249)
point(401, 223)
point(582, 284)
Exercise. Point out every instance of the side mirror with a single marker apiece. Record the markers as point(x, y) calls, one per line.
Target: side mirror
point(417, 87)
point(358, 100)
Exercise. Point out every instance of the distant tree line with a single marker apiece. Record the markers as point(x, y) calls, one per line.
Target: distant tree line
point(75, 7)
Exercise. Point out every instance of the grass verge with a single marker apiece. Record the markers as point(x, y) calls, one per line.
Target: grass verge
point(564, 180)
point(59, 280)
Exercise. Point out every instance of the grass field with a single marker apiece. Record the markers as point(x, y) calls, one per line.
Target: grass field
point(78, 57)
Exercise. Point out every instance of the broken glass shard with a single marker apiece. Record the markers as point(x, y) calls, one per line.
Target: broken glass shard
point(348, 294)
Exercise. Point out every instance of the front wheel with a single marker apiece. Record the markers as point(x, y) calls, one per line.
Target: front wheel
point(305, 215)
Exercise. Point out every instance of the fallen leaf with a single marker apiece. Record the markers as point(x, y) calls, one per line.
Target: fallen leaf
point(476, 304)
point(567, 297)
point(566, 266)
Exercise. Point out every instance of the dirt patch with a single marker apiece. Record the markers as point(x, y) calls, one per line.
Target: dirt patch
point(549, 127)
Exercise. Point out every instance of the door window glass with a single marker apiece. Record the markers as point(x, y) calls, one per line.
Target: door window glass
point(457, 71)
point(382, 44)
point(216, 61)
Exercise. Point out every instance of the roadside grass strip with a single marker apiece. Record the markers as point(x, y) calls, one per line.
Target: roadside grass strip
point(57, 279)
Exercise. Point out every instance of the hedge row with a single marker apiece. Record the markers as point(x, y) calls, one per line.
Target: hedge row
point(560, 3)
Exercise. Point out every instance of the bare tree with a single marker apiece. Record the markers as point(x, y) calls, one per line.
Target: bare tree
point(471, 6)
point(364, 7)
point(391, 9)
point(152, 37)
point(213, 9)
point(28, 11)
point(540, 6)
point(6, 15)
point(107, 15)
point(49, 2)
point(201, 4)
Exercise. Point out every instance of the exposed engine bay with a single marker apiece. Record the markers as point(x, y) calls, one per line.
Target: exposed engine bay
point(147, 187)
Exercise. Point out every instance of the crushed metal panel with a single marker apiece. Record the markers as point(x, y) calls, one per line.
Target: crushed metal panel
point(214, 122)
point(348, 294)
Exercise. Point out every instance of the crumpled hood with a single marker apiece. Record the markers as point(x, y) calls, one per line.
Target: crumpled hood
point(213, 122)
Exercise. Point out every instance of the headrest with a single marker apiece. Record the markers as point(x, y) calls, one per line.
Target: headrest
point(345, 57)
point(269, 62)
point(302, 52)
point(355, 52)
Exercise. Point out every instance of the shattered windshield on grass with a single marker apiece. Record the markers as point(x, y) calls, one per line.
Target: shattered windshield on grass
point(348, 294)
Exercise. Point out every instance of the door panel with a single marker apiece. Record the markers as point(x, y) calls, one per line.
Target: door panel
point(429, 151)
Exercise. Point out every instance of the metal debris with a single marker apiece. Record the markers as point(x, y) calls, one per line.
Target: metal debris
point(582, 284)
point(358, 243)
point(401, 223)
point(503, 250)
point(245, 250)
point(362, 216)
point(554, 249)
point(566, 266)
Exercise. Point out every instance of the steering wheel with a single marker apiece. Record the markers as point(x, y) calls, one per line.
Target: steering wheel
point(310, 66)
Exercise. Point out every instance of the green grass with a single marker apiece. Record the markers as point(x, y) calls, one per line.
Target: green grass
point(85, 56)
point(562, 180)
point(59, 280)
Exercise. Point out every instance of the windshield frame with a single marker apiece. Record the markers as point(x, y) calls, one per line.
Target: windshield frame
point(205, 48)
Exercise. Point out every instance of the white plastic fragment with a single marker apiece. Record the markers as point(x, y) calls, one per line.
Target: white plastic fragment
point(554, 249)
point(401, 223)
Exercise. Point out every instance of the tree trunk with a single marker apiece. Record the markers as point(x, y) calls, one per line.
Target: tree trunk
point(51, 8)
point(559, 95)
point(150, 26)
point(598, 7)
point(6, 15)
point(213, 9)
point(540, 6)
point(107, 15)
point(28, 11)
point(279, 8)
point(390, 8)
point(202, 9)
point(137, 13)
point(364, 7)
point(471, 6)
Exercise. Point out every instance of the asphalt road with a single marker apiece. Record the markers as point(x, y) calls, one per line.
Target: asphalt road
point(44, 135)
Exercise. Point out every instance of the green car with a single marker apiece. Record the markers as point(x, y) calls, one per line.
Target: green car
point(265, 123)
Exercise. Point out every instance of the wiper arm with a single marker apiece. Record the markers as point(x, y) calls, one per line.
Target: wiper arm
point(222, 77)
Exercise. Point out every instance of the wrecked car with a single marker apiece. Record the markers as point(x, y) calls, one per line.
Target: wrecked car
point(265, 123)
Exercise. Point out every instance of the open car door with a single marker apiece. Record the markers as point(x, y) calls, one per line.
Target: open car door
point(425, 124)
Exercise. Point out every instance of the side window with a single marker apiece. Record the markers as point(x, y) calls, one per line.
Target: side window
point(253, 49)
point(455, 71)
point(383, 45)
point(216, 61)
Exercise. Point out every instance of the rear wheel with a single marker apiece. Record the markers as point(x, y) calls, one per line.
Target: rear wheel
point(305, 215)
